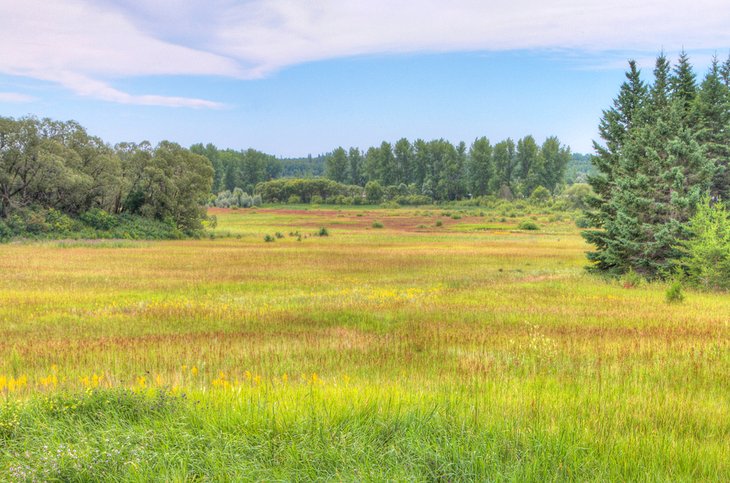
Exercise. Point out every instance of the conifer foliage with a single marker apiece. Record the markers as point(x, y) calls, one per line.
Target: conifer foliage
point(665, 146)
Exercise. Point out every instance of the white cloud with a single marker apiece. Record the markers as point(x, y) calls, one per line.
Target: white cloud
point(15, 97)
point(85, 45)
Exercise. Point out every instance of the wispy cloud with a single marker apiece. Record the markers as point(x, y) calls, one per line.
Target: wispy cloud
point(15, 97)
point(85, 45)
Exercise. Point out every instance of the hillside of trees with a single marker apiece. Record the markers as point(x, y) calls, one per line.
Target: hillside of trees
point(56, 178)
point(665, 152)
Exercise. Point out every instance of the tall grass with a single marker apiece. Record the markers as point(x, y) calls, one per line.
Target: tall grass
point(466, 352)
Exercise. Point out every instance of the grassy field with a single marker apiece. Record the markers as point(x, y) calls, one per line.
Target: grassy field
point(440, 346)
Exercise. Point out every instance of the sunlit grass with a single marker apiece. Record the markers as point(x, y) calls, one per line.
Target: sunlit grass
point(471, 350)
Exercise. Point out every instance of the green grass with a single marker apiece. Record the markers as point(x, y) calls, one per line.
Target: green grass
point(401, 353)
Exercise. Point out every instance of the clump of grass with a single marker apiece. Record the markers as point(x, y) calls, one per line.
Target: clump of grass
point(455, 217)
point(377, 224)
point(439, 222)
point(279, 235)
point(268, 238)
point(323, 232)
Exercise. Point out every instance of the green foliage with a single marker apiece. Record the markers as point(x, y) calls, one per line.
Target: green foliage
point(674, 294)
point(235, 199)
point(99, 219)
point(377, 224)
point(314, 190)
point(528, 225)
point(540, 195)
point(707, 251)
point(582, 222)
point(373, 192)
point(323, 232)
point(268, 238)
point(631, 279)
point(651, 172)
point(578, 195)
point(52, 173)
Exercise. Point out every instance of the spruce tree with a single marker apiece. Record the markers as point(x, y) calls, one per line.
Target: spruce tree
point(614, 127)
point(652, 172)
point(712, 113)
point(683, 86)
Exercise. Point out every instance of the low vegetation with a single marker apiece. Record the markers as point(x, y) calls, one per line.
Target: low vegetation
point(472, 351)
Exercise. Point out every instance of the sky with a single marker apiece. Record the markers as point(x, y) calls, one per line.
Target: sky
point(299, 77)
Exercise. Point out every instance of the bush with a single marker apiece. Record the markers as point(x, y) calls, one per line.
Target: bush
point(279, 235)
point(323, 232)
point(577, 195)
point(528, 225)
point(674, 294)
point(631, 279)
point(582, 222)
point(268, 238)
point(5, 232)
point(373, 192)
point(540, 195)
point(377, 224)
point(316, 200)
point(707, 252)
point(439, 223)
point(294, 200)
point(99, 219)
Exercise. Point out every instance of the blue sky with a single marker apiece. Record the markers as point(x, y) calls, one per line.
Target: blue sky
point(295, 78)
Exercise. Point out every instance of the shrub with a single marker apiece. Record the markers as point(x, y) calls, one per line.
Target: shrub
point(582, 222)
point(377, 224)
point(540, 195)
point(577, 195)
point(323, 232)
point(5, 231)
point(374, 192)
point(268, 238)
point(279, 235)
point(674, 294)
point(294, 200)
point(528, 225)
point(707, 252)
point(316, 200)
point(631, 279)
point(439, 223)
point(99, 219)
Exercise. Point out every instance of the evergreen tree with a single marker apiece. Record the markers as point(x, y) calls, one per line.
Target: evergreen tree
point(725, 72)
point(683, 86)
point(652, 172)
point(613, 128)
point(712, 111)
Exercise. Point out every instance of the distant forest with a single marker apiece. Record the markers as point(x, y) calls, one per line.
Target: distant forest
point(437, 169)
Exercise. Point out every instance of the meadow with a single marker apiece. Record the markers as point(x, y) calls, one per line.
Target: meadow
point(414, 344)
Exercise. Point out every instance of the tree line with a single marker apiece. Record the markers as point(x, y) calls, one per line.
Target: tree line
point(665, 152)
point(436, 169)
point(51, 169)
